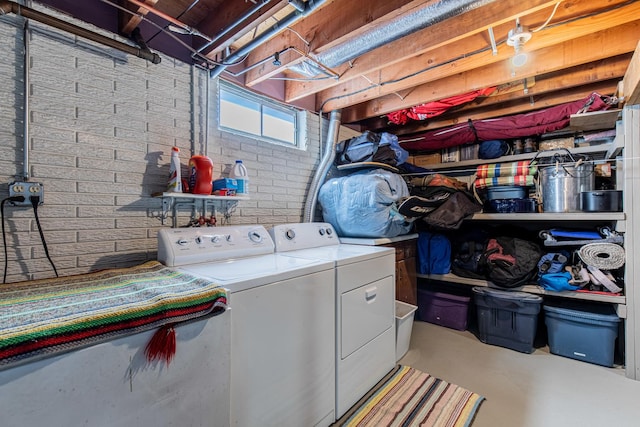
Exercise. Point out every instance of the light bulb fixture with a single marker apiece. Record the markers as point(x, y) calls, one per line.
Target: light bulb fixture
point(517, 38)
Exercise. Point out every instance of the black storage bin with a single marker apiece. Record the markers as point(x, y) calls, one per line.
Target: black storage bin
point(507, 318)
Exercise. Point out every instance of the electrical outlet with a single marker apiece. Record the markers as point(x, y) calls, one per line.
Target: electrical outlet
point(26, 189)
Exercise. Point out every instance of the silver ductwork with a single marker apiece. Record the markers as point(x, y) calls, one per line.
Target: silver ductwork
point(309, 7)
point(324, 166)
point(393, 30)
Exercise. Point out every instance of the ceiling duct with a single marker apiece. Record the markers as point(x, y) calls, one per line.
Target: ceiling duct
point(309, 7)
point(395, 29)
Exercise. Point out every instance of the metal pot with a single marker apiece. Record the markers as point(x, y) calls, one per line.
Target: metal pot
point(562, 183)
point(601, 201)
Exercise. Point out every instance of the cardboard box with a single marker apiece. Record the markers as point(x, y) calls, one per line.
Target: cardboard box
point(553, 144)
point(423, 160)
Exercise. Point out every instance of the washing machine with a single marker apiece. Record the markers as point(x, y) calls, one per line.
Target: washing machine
point(364, 279)
point(282, 322)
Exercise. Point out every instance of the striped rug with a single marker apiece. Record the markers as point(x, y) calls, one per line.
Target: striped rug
point(411, 398)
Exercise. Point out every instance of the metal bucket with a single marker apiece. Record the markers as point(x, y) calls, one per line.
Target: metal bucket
point(562, 184)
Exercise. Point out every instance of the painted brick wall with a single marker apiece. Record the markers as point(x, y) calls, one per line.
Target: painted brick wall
point(102, 124)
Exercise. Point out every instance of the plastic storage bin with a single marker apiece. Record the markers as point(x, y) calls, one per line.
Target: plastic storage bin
point(583, 332)
point(443, 308)
point(404, 324)
point(507, 318)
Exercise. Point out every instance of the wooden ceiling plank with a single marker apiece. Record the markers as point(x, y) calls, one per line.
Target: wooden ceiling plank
point(631, 81)
point(220, 19)
point(326, 27)
point(130, 22)
point(611, 42)
point(434, 37)
point(446, 55)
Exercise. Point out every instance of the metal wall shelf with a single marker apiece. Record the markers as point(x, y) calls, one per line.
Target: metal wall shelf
point(171, 201)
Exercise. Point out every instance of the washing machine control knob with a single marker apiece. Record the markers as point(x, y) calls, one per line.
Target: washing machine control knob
point(290, 234)
point(329, 232)
point(198, 240)
point(321, 231)
point(228, 238)
point(255, 237)
point(183, 242)
point(215, 239)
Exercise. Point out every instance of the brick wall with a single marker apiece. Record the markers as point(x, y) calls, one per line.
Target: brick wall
point(102, 124)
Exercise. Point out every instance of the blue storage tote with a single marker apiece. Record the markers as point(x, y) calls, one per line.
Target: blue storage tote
point(507, 318)
point(443, 308)
point(583, 332)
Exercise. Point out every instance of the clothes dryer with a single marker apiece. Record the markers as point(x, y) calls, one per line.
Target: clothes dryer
point(364, 280)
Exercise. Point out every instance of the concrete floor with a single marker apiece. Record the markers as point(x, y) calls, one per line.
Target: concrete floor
point(525, 390)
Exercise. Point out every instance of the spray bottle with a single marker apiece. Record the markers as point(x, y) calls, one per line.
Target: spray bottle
point(175, 179)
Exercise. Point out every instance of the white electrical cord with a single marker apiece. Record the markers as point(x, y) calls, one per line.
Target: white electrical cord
point(549, 19)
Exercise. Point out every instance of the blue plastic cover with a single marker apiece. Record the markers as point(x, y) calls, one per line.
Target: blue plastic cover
point(363, 204)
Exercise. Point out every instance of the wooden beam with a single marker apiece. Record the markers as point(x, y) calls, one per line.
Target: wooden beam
point(132, 21)
point(230, 12)
point(449, 60)
point(327, 27)
point(435, 37)
point(631, 81)
point(613, 42)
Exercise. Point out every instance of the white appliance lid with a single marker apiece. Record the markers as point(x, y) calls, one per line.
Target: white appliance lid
point(245, 273)
point(341, 254)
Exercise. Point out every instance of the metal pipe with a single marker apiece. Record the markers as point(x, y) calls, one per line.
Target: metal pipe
point(325, 164)
point(494, 48)
point(233, 25)
point(291, 18)
point(11, 7)
point(25, 103)
point(169, 18)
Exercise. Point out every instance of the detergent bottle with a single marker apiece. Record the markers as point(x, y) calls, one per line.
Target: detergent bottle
point(175, 179)
point(240, 174)
point(201, 175)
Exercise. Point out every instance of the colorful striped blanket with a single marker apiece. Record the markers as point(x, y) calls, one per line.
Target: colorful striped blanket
point(521, 180)
point(46, 317)
point(506, 169)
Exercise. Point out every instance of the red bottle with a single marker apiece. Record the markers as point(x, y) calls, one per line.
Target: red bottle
point(201, 175)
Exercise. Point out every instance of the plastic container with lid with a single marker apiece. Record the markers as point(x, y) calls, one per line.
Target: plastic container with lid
point(240, 174)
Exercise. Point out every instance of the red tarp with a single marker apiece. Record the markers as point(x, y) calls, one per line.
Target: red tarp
point(435, 108)
point(509, 127)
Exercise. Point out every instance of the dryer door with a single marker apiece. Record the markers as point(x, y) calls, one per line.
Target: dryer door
point(366, 312)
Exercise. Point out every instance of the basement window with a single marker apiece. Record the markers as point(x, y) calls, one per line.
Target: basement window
point(245, 113)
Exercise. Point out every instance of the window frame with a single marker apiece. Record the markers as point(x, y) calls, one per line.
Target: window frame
point(263, 102)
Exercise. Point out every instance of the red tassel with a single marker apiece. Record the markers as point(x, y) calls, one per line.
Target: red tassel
point(162, 345)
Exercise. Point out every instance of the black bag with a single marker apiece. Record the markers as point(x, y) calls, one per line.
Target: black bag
point(467, 250)
point(365, 148)
point(510, 262)
point(358, 149)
